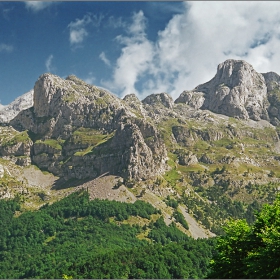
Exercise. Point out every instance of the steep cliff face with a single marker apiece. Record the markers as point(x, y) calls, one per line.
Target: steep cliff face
point(237, 90)
point(272, 81)
point(15, 146)
point(61, 106)
point(81, 131)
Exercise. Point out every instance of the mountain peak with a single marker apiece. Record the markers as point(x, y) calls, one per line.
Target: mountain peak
point(159, 98)
point(236, 90)
point(233, 71)
point(23, 102)
point(75, 79)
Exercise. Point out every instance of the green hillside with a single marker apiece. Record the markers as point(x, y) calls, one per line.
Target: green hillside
point(90, 239)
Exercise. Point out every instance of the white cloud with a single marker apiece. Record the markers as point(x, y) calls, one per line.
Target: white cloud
point(78, 36)
point(103, 57)
point(48, 63)
point(188, 50)
point(77, 29)
point(36, 6)
point(138, 26)
point(134, 59)
point(6, 48)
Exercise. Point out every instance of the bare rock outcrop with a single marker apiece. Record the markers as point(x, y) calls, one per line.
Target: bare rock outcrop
point(187, 136)
point(15, 146)
point(21, 103)
point(272, 81)
point(127, 154)
point(193, 99)
point(187, 158)
point(133, 102)
point(17, 149)
point(83, 131)
point(62, 105)
point(162, 99)
point(237, 90)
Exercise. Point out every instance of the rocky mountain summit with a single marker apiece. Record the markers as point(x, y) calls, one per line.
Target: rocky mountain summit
point(237, 90)
point(23, 102)
point(81, 131)
point(213, 146)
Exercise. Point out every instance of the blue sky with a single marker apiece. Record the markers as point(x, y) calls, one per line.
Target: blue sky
point(140, 47)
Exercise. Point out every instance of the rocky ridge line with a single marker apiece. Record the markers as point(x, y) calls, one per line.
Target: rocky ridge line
point(82, 131)
point(237, 90)
point(25, 101)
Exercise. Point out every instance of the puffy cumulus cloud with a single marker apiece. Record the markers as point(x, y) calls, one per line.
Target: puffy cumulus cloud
point(77, 29)
point(36, 6)
point(6, 48)
point(138, 25)
point(187, 51)
point(134, 61)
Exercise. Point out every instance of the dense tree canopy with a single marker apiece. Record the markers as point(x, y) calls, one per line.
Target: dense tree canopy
point(79, 238)
point(250, 251)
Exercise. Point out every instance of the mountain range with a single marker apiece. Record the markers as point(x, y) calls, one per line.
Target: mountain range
point(215, 150)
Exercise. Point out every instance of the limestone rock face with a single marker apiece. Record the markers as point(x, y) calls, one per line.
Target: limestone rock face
point(193, 99)
point(133, 101)
point(187, 136)
point(135, 104)
point(143, 150)
point(62, 105)
point(18, 149)
point(272, 81)
point(159, 98)
point(237, 90)
point(23, 102)
point(187, 159)
point(128, 154)
point(85, 131)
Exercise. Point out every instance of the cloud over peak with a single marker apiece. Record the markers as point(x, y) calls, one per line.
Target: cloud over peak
point(187, 51)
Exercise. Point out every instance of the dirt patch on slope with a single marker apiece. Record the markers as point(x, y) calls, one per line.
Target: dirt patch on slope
point(36, 177)
point(196, 230)
point(105, 188)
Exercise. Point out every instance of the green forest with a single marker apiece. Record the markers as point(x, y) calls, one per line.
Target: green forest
point(82, 238)
point(87, 239)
